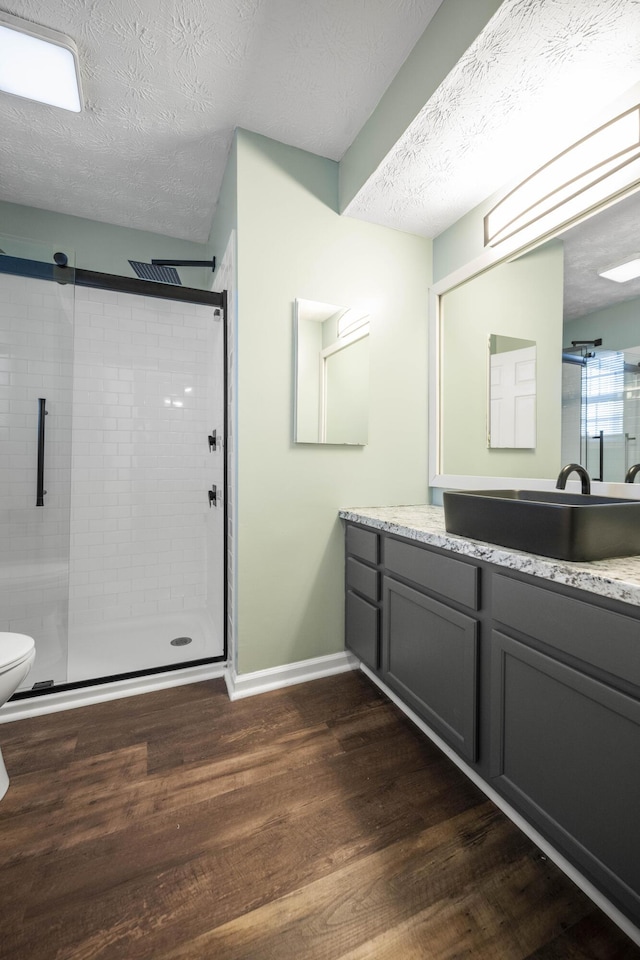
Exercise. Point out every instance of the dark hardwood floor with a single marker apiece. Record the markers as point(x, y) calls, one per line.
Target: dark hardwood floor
point(312, 822)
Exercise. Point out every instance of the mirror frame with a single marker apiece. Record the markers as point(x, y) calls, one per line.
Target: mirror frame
point(491, 257)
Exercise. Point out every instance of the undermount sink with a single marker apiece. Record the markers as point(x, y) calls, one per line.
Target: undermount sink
point(567, 526)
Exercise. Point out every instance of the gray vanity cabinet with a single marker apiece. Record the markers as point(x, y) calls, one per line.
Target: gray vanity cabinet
point(534, 683)
point(430, 639)
point(362, 606)
point(409, 617)
point(565, 727)
point(429, 657)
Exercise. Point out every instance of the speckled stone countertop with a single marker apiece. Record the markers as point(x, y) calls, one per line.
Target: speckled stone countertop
point(617, 578)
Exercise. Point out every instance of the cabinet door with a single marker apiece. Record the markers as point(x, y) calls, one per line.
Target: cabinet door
point(362, 629)
point(429, 658)
point(564, 750)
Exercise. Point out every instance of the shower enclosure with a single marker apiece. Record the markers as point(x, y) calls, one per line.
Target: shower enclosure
point(601, 411)
point(112, 417)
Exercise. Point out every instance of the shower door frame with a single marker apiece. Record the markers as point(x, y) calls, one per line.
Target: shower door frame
point(164, 291)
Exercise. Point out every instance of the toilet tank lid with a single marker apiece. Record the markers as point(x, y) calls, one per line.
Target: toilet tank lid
point(14, 647)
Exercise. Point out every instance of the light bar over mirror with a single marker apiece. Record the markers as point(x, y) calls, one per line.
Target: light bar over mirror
point(39, 64)
point(589, 172)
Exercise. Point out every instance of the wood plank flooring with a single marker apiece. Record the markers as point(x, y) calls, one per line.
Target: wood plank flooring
point(312, 823)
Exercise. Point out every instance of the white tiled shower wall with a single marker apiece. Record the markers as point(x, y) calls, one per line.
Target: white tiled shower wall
point(36, 351)
point(141, 464)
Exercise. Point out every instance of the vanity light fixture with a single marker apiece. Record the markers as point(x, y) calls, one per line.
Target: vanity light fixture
point(621, 272)
point(39, 64)
point(591, 171)
point(350, 321)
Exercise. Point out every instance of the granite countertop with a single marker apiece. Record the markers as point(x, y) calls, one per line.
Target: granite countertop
point(617, 578)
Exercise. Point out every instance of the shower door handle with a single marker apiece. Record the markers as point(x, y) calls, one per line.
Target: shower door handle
point(40, 491)
point(600, 438)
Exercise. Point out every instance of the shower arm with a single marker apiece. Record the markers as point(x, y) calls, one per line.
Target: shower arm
point(186, 263)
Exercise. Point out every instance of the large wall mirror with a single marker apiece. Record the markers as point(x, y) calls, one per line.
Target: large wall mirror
point(585, 324)
point(331, 347)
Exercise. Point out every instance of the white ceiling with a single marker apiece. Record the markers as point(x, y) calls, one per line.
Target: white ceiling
point(167, 81)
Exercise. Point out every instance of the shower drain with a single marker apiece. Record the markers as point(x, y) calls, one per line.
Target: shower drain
point(181, 641)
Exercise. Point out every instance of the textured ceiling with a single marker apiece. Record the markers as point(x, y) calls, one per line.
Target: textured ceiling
point(530, 84)
point(609, 238)
point(167, 81)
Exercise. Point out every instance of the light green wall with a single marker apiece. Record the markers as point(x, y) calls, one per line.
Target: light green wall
point(462, 242)
point(519, 299)
point(452, 30)
point(292, 243)
point(619, 326)
point(101, 246)
point(226, 216)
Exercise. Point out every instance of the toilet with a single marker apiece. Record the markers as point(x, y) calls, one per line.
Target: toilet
point(17, 653)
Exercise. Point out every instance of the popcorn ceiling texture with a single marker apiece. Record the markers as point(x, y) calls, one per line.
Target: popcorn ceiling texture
point(535, 78)
point(167, 81)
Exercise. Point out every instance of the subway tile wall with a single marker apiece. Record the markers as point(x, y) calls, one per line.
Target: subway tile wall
point(141, 463)
point(36, 355)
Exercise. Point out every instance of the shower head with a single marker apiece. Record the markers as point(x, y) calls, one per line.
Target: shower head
point(159, 274)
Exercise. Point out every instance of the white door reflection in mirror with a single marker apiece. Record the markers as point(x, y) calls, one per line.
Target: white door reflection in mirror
point(512, 393)
point(331, 374)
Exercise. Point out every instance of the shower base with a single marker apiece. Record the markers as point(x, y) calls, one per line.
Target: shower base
point(114, 648)
point(140, 643)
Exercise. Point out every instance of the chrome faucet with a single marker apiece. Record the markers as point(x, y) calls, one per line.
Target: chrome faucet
point(632, 472)
point(585, 479)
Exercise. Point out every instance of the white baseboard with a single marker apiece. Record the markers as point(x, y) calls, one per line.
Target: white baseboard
point(250, 684)
point(567, 868)
point(84, 696)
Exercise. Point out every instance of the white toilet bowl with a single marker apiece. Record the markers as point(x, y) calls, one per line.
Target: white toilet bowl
point(17, 653)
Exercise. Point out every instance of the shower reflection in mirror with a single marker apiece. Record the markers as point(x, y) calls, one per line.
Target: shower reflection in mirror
point(331, 373)
point(601, 407)
point(512, 393)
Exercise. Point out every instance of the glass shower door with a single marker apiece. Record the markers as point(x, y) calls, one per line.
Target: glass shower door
point(36, 367)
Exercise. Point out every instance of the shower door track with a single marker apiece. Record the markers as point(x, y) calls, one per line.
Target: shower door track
point(148, 288)
point(165, 291)
point(114, 678)
point(107, 281)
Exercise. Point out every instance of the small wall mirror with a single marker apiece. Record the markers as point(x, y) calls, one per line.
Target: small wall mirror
point(331, 374)
point(511, 411)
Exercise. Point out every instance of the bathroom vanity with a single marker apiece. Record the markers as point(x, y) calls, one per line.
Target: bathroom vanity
point(527, 668)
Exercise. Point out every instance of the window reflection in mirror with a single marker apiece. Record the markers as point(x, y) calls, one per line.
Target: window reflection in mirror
point(512, 392)
point(331, 374)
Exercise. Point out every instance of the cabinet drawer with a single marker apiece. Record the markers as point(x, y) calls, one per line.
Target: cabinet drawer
point(362, 630)
point(607, 640)
point(430, 659)
point(564, 749)
point(363, 544)
point(450, 578)
point(363, 579)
